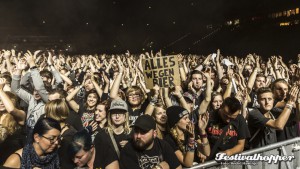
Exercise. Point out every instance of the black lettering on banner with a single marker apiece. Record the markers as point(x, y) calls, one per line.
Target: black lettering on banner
point(161, 71)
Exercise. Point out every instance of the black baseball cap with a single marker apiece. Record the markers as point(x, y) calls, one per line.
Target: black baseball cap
point(145, 122)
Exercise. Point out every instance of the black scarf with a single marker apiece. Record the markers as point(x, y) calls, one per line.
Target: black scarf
point(30, 159)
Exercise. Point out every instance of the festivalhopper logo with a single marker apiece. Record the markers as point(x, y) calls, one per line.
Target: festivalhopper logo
point(251, 159)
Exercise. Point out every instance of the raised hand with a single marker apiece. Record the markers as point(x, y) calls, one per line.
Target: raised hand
point(35, 53)
point(203, 121)
point(2, 83)
point(177, 91)
point(190, 128)
point(6, 54)
point(294, 93)
point(50, 59)
point(29, 57)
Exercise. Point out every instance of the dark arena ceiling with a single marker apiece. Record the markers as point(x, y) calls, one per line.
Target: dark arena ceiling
point(237, 27)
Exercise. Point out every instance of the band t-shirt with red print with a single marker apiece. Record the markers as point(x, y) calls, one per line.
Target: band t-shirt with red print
point(237, 130)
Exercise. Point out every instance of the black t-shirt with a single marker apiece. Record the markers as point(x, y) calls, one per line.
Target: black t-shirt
point(237, 130)
point(121, 137)
point(118, 137)
point(105, 152)
point(74, 120)
point(147, 159)
point(134, 114)
point(86, 116)
point(290, 129)
point(257, 123)
point(65, 160)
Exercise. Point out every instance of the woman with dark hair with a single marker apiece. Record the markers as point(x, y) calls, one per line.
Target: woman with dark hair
point(83, 152)
point(86, 110)
point(42, 152)
point(101, 114)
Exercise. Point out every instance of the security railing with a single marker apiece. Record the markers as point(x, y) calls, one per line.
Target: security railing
point(285, 148)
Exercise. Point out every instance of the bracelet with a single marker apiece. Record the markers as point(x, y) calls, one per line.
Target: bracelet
point(33, 67)
point(151, 103)
point(289, 106)
point(154, 100)
point(203, 135)
point(190, 148)
point(204, 144)
point(191, 141)
point(180, 97)
point(276, 69)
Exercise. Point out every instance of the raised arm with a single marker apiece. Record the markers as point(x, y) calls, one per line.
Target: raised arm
point(70, 100)
point(9, 105)
point(7, 55)
point(280, 122)
point(150, 108)
point(204, 104)
point(181, 68)
point(253, 75)
point(202, 142)
point(117, 82)
point(275, 65)
point(96, 85)
point(166, 97)
point(218, 64)
point(36, 77)
point(178, 94)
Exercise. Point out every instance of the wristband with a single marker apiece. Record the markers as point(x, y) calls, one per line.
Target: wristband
point(154, 100)
point(33, 67)
point(204, 144)
point(203, 135)
point(190, 148)
point(180, 97)
point(191, 141)
point(289, 106)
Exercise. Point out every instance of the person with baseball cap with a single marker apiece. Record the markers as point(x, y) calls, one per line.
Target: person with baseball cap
point(117, 132)
point(145, 150)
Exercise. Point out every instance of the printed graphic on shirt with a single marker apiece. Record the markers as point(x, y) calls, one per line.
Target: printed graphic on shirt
point(30, 121)
point(86, 118)
point(216, 131)
point(146, 162)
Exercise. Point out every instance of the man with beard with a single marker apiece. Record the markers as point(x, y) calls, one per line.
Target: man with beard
point(145, 150)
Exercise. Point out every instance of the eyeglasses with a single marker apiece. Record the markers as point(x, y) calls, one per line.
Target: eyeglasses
point(52, 140)
point(117, 114)
point(133, 95)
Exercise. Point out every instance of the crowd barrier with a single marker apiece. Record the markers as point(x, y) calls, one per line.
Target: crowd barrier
point(285, 148)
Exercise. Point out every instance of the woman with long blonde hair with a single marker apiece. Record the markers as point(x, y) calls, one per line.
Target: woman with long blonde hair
point(118, 130)
point(11, 120)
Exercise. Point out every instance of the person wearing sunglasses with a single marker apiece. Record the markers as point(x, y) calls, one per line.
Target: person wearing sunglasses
point(42, 152)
